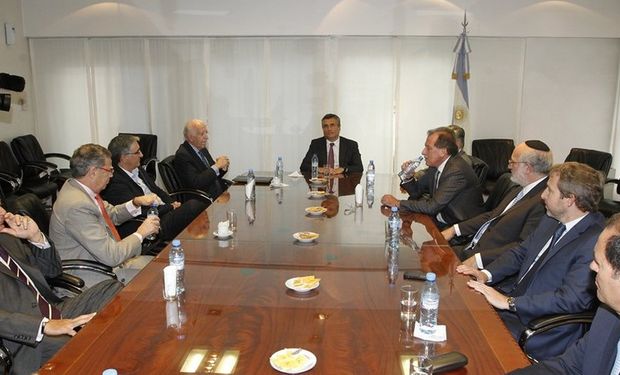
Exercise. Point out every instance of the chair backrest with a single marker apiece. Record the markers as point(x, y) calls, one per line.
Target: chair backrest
point(599, 160)
point(168, 174)
point(27, 149)
point(494, 152)
point(481, 169)
point(30, 205)
point(503, 186)
point(148, 146)
point(8, 163)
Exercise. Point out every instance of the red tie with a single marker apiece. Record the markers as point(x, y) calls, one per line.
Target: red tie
point(330, 156)
point(107, 219)
point(47, 309)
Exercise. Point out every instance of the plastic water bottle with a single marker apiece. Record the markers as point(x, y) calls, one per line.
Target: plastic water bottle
point(394, 224)
point(177, 259)
point(315, 166)
point(370, 174)
point(429, 305)
point(153, 211)
point(252, 180)
point(408, 172)
point(392, 266)
point(280, 169)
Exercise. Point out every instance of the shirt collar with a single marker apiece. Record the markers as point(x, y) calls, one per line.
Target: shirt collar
point(531, 185)
point(336, 142)
point(443, 165)
point(88, 190)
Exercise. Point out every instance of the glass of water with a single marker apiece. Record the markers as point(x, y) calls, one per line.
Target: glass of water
point(420, 365)
point(409, 297)
point(232, 220)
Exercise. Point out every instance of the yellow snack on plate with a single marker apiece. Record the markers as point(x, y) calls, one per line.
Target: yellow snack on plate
point(306, 281)
point(289, 361)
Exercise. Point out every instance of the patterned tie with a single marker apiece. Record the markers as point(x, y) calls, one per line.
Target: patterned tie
point(487, 224)
point(107, 219)
point(47, 309)
point(436, 180)
point(330, 156)
point(524, 282)
point(203, 158)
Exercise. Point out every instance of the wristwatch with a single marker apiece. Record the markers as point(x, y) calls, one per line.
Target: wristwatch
point(511, 304)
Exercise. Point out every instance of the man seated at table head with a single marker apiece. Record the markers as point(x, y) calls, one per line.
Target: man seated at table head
point(130, 181)
point(336, 154)
point(194, 164)
point(597, 352)
point(83, 225)
point(549, 273)
point(35, 322)
point(459, 137)
point(449, 190)
point(517, 215)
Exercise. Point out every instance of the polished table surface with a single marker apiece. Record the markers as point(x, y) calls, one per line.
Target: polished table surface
point(237, 310)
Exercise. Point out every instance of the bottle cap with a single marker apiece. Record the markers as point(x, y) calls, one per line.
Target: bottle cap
point(394, 209)
point(176, 242)
point(109, 371)
point(430, 276)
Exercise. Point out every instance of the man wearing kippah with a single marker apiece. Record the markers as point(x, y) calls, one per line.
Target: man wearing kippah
point(517, 214)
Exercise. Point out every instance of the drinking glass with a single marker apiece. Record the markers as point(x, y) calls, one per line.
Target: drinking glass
point(170, 283)
point(420, 365)
point(408, 302)
point(232, 220)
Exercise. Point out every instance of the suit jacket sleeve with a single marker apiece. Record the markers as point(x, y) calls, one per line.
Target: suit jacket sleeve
point(452, 181)
point(84, 225)
point(19, 327)
point(190, 173)
point(353, 162)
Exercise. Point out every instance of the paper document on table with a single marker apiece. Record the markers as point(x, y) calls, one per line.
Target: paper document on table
point(439, 335)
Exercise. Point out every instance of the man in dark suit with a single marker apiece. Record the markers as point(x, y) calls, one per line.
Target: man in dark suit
point(551, 265)
point(512, 221)
point(597, 352)
point(34, 323)
point(130, 181)
point(449, 190)
point(194, 164)
point(345, 156)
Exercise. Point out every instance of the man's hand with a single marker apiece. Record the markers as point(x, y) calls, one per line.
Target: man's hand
point(448, 233)
point(471, 271)
point(390, 200)
point(175, 205)
point(494, 297)
point(149, 226)
point(405, 164)
point(21, 227)
point(57, 327)
point(222, 163)
point(146, 200)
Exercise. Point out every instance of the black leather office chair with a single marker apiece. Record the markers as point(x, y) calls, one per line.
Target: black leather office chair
point(13, 179)
point(549, 322)
point(609, 207)
point(599, 160)
point(148, 146)
point(496, 153)
point(503, 186)
point(481, 169)
point(173, 185)
point(6, 361)
point(27, 150)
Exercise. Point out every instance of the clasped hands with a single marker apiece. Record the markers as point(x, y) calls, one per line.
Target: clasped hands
point(495, 298)
point(20, 226)
point(222, 162)
point(331, 171)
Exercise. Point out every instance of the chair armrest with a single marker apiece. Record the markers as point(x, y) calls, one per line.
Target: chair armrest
point(57, 155)
point(12, 180)
point(146, 162)
point(67, 281)
point(546, 323)
point(88, 265)
point(194, 192)
point(39, 170)
point(614, 181)
point(6, 360)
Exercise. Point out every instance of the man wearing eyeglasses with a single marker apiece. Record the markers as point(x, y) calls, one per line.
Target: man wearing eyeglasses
point(83, 225)
point(130, 181)
point(515, 217)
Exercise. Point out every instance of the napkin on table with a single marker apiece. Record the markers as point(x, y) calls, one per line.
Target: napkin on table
point(296, 174)
point(359, 194)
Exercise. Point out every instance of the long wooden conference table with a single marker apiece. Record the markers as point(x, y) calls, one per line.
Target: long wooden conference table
point(237, 312)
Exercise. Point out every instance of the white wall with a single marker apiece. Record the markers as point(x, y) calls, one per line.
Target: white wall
point(524, 18)
point(15, 60)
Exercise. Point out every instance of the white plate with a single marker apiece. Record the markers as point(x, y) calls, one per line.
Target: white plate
point(300, 289)
point(317, 194)
point(318, 181)
point(309, 364)
point(316, 210)
point(229, 234)
point(300, 239)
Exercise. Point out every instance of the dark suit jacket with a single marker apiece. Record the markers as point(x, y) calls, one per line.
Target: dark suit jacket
point(194, 174)
point(458, 196)
point(19, 312)
point(594, 354)
point(349, 156)
point(508, 229)
point(562, 284)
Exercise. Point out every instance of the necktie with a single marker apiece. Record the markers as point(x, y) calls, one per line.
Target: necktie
point(135, 176)
point(47, 309)
point(330, 156)
point(436, 180)
point(529, 274)
point(107, 219)
point(487, 224)
point(203, 158)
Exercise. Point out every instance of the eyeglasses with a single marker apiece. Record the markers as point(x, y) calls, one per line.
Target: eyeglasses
point(138, 152)
point(109, 169)
point(511, 162)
